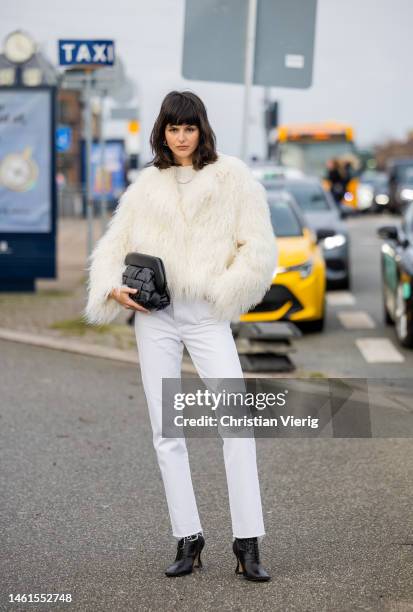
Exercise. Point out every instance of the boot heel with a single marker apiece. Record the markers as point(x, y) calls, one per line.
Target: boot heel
point(188, 556)
point(198, 563)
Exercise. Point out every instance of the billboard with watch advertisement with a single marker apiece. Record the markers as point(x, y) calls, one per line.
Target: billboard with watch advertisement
point(27, 186)
point(25, 161)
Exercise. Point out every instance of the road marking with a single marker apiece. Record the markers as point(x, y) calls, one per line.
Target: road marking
point(355, 319)
point(340, 298)
point(379, 350)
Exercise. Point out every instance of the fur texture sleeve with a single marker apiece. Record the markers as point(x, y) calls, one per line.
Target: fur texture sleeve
point(245, 282)
point(106, 262)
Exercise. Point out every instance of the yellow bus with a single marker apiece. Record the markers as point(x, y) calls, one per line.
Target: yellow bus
point(310, 146)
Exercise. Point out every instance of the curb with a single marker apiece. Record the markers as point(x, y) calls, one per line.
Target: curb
point(96, 350)
point(81, 348)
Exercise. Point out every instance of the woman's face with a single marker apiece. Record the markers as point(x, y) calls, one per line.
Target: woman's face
point(183, 141)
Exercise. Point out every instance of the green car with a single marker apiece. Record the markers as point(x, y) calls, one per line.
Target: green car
point(397, 276)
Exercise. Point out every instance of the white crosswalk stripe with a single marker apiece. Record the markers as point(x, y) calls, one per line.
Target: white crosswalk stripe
point(340, 298)
point(379, 350)
point(355, 319)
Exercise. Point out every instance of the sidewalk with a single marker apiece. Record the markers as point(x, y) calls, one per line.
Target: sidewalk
point(54, 310)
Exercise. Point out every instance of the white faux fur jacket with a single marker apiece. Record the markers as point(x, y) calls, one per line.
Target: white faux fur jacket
point(216, 241)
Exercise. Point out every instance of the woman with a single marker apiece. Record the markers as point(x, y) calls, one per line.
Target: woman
point(206, 217)
point(336, 179)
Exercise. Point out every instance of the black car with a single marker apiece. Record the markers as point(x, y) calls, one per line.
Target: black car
point(397, 276)
point(324, 217)
point(373, 191)
point(400, 173)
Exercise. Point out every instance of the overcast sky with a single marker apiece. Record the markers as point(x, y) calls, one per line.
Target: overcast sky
point(362, 63)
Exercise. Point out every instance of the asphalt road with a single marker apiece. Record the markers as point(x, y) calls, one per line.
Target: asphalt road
point(83, 509)
point(336, 351)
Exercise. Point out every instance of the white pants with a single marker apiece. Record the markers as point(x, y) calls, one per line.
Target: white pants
point(160, 338)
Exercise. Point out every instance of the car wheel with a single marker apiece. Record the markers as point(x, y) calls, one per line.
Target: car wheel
point(314, 326)
point(403, 322)
point(346, 283)
point(386, 317)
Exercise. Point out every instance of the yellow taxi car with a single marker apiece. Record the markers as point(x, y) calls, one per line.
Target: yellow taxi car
point(298, 289)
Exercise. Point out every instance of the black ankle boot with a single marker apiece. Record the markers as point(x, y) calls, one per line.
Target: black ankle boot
point(247, 554)
point(188, 555)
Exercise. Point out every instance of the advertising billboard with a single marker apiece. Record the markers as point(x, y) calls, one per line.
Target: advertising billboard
point(25, 161)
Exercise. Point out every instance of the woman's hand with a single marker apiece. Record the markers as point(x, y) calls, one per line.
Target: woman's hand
point(121, 295)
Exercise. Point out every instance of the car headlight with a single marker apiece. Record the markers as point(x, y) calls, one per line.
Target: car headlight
point(332, 242)
point(304, 269)
point(406, 194)
point(382, 199)
point(365, 196)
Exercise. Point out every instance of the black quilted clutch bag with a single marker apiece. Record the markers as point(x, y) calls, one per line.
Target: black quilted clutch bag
point(146, 273)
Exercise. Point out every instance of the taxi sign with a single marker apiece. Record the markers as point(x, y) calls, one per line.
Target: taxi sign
point(86, 52)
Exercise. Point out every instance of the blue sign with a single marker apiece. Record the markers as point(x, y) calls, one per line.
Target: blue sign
point(86, 52)
point(63, 138)
point(112, 181)
point(109, 182)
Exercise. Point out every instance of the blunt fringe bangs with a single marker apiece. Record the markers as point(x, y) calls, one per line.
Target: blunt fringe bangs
point(179, 108)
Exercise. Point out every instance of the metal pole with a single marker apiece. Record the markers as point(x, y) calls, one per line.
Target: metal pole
point(267, 99)
point(102, 146)
point(248, 72)
point(88, 160)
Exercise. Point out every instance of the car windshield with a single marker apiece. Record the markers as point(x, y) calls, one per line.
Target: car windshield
point(273, 183)
point(309, 197)
point(311, 157)
point(374, 178)
point(405, 174)
point(284, 220)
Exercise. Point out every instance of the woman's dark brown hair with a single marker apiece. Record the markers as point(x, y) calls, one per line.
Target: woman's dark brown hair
point(179, 108)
